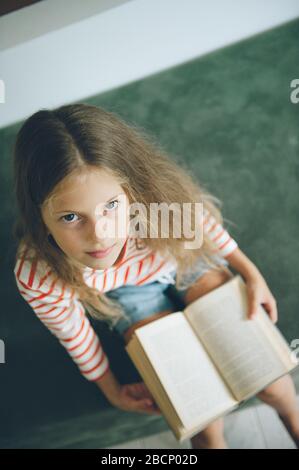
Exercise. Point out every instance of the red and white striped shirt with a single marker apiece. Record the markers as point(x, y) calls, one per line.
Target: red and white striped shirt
point(60, 310)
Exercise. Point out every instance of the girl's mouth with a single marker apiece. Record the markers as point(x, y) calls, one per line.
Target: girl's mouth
point(101, 253)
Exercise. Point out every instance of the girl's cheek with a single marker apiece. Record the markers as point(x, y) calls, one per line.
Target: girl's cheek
point(68, 242)
point(124, 223)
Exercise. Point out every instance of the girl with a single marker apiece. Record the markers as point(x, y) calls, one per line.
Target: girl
point(78, 172)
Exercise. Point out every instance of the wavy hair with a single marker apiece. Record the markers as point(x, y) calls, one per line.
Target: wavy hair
point(52, 144)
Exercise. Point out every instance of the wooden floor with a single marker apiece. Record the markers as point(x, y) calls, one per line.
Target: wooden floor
point(257, 427)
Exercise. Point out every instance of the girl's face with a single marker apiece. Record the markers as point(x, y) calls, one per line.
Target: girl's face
point(89, 212)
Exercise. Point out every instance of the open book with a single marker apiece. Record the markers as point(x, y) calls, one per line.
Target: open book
point(203, 362)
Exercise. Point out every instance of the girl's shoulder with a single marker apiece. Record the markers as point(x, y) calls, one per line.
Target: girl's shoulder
point(30, 271)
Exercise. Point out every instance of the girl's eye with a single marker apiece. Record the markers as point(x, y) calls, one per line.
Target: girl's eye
point(111, 202)
point(72, 214)
point(63, 217)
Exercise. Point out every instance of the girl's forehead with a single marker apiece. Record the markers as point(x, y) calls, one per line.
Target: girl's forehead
point(100, 181)
point(82, 176)
point(93, 187)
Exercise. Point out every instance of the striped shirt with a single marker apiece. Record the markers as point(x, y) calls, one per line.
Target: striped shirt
point(58, 307)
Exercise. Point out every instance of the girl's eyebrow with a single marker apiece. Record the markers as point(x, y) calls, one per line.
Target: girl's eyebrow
point(69, 210)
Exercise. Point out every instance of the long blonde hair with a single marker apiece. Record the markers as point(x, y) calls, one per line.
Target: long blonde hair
point(52, 144)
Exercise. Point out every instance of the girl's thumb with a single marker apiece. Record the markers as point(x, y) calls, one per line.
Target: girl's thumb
point(252, 309)
point(146, 402)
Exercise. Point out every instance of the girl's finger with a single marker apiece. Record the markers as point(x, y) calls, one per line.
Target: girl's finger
point(149, 404)
point(145, 391)
point(144, 405)
point(137, 390)
point(252, 305)
point(271, 309)
point(141, 388)
point(153, 409)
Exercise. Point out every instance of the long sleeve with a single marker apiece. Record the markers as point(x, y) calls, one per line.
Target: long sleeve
point(63, 314)
point(224, 243)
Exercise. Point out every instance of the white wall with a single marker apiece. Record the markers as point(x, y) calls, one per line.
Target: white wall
point(44, 17)
point(75, 58)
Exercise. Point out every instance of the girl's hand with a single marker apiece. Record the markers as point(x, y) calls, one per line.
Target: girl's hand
point(259, 293)
point(136, 397)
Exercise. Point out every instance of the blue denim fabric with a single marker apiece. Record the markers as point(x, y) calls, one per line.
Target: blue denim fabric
point(142, 301)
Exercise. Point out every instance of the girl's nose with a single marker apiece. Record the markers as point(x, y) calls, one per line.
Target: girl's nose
point(102, 229)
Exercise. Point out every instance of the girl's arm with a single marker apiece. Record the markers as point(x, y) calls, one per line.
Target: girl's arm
point(56, 306)
point(258, 291)
point(109, 385)
point(257, 288)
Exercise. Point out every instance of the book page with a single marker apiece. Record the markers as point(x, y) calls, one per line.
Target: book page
point(239, 346)
point(188, 375)
point(152, 381)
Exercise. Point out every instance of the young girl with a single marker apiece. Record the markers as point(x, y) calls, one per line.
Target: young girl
point(78, 172)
